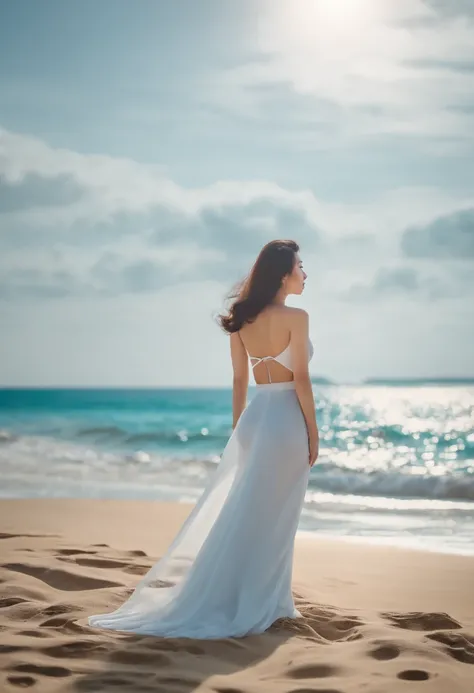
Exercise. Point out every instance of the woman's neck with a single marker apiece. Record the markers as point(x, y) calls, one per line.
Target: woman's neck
point(280, 298)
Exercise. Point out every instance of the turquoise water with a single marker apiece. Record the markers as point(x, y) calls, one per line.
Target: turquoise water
point(396, 463)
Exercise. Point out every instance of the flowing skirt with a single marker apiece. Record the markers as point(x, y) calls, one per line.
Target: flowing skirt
point(228, 571)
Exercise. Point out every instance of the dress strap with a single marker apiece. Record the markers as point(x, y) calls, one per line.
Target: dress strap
point(264, 360)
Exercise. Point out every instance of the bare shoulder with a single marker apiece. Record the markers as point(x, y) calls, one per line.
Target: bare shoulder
point(236, 340)
point(298, 322)
point(290, 313)
point(297, 316)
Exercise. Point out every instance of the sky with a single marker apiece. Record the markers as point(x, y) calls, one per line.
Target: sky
point(149, 149)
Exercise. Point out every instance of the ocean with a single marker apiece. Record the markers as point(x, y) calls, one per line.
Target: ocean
point(396, 462)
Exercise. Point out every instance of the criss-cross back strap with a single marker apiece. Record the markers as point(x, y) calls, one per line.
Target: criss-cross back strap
point(264, 360)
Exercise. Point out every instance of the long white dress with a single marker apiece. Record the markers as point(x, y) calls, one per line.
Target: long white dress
point(228, 571)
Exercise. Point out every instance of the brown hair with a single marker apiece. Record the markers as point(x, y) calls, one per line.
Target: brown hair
point(257, 291)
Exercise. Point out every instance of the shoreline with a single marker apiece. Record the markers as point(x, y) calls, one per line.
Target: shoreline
point(393, 542)
point(414, 542)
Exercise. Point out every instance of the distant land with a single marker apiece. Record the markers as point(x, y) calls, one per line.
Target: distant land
point(320, 380)
point(397, 382)
point(417, 381)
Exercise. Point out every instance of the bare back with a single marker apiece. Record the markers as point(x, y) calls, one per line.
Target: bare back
point(269, 335)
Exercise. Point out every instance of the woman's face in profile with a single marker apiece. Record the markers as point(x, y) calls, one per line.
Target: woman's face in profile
point(295, 281)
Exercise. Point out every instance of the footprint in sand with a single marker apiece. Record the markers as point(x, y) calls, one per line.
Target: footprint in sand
point(21, 681)
point(11, 601)
point(106, 563)
point(457, 645)
point(55, 672)
point(314, 671)
point(136, 657)
point(8, 649)
point(314, 690)
point(107, 682)
point(413, 675)
point(418, 620)
point(385, 651)
point(164, 682)
point(136, 569)
point(73, 552)
point(65, 624)
point(34, 633)
point(328, 623)
point(136, 552)
point(61, 579)
point(345, 624)
point(101, 563)
point(6, 535)
point(171, 645)
point(76, 648)
point(57, 609)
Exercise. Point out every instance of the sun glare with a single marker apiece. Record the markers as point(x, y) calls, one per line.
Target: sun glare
point(343, 10)
point(305, 19)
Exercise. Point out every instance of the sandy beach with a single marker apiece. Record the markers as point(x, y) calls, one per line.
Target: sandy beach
point(376, 619)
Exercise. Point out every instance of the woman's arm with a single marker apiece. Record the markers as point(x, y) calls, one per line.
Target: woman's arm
point(240, 365)
point(299, 341)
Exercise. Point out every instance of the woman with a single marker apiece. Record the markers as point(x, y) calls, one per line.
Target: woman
point(228, 571)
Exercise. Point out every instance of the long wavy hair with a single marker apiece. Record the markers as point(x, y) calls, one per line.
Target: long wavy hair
point(259, 288)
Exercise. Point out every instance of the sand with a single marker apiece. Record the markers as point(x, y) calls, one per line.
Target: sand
point(376, 619)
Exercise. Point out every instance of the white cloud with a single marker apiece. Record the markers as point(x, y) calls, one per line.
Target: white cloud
point(98, 224)
point(138, 265)
point(363, 68)
point(401, 282)
point(447, 237)
point(112, 185)
point(101, 219)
